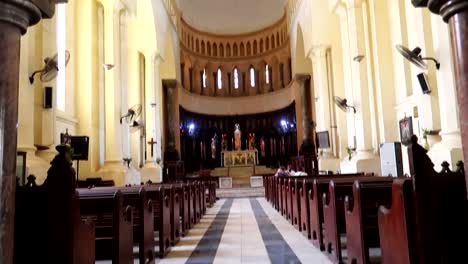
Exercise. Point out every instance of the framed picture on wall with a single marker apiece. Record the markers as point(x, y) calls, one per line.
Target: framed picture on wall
point(406, 130)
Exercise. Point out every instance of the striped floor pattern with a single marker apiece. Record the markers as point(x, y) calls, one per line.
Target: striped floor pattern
point(243, 230)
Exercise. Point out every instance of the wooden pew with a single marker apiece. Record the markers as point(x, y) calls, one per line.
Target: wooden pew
point(426, 223)
point(94, 182)
point(288, 185)
point(114, 223)
point(304, 190)
point(143, 221)
point(183, 192)
point(32, 230)
point(210, 184)
point(161, 198)
point(191, 207)
point(361, 208)
point(202, 194)
point(333, 213)
point(283, 194)
point(314, 202)
point(175, 213)
point(397, 226)
point(296, 186)
point(48, 225)
point(196, 200)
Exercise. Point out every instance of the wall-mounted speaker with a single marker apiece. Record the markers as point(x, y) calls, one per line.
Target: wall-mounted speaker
point(422, 78)
point(47, 97)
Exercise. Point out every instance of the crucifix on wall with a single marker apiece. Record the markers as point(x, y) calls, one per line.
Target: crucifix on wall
point(152, 143)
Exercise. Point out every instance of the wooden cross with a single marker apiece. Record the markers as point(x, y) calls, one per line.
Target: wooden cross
point(152, 143)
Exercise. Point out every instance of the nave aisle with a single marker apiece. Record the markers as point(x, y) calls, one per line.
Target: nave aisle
point(245, 230)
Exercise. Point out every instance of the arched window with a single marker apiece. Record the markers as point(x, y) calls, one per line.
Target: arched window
point(252, 76)
point(236, 78)
point(204, 78)
point(267, 74)
point(220, 79)
point(235, 50)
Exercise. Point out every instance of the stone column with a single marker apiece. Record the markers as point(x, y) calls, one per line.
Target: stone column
point(455, 13)
point(171, 117)
point(324, 105)
point(114, 168)
point(450, 147)
point(152, 169)
point(15, 17)
point(305, 93)
point(365, 160)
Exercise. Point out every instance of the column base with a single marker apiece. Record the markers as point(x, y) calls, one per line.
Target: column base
point(151, 172)
point(363, 161)
point(35, 165)
point(329, 164)
point(114, 170)
point(448, 149)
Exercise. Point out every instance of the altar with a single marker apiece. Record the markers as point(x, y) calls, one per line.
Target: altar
point(237, 158)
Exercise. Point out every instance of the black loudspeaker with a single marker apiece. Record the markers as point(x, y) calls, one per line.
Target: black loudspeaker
point(80, 147)
point(422, 78)
point(47, 97)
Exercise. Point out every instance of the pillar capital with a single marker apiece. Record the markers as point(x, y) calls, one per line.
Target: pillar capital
point(337, 7)
point(156, 59)
point(20, 13)
point(319, 51)
point(449, 8)
point(445, 8)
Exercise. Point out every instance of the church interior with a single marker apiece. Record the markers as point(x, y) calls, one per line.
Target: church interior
point(206, 131)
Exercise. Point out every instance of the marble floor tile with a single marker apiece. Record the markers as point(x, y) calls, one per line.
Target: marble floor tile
point(241, 240)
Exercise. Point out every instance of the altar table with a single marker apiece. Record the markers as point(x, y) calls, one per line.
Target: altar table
point(239, 158)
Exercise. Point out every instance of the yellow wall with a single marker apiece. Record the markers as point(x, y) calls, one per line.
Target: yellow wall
point(86, 79)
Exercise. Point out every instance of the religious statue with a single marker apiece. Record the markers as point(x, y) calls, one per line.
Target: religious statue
point(262, 147)
point(213, 146)
point(237, 138)
point(252, 145)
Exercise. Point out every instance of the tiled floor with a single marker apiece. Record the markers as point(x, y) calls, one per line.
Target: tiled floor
point(244, 230)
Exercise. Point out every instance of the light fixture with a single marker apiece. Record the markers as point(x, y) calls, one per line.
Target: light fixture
point(414, 56)
point(191, 128)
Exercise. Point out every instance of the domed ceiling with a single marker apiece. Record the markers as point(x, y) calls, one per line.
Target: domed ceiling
point(231, 16)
